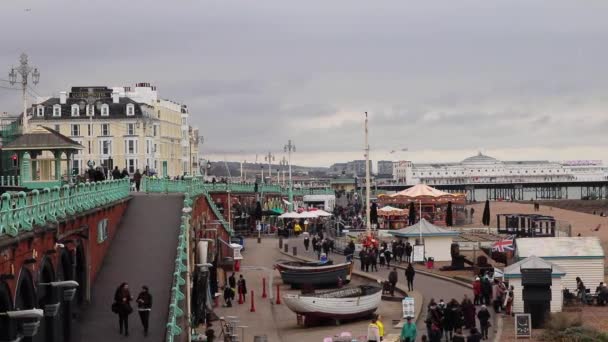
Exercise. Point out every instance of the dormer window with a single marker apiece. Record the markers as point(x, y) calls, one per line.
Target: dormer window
point(57, 110)
point(130, 109)
point(75, 110)
point(105, 110)
point(90, 110)
point(40, 111)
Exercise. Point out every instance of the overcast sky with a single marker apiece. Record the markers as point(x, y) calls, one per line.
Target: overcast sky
point(516, 79)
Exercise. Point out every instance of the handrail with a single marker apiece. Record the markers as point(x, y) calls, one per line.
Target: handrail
point(22, 211)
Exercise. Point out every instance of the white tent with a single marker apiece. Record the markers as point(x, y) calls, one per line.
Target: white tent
point(322, 213)
point(292, 214)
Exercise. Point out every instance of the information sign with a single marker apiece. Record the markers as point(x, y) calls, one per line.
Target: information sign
point(418, 253)
point(523, 325)
point(407, 305)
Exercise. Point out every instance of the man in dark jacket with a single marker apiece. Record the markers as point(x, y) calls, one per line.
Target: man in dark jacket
point(409, 275)
point(125, 173)
point(242, 286)
point(116, 173)
point(232, 281)
point(408, 252)
point(144, 306)
point(137, 179)
point(392, 278)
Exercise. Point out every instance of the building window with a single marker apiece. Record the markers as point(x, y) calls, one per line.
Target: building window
point(130, 129)
point(90, 147)
point(75, 130)
point(105, 130)
point(154, 150)
point(154, 129)
point(57, 128)
point(75, 110)
point(75, 167)
point(105, 147)
point(130, 146)
point(56, 110)
point(131, 165)
point(184, 121)
point(40, 111)
point(105, 110)
point(130, 109)
point(90, 129)
point(90, 110)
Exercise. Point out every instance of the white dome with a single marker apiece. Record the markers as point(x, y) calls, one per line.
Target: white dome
point(480, 159)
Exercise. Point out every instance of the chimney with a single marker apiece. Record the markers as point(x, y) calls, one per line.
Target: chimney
point(114, 97)
point(63, 97)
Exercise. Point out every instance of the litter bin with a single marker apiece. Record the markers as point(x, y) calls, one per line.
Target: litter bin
point(430, 263)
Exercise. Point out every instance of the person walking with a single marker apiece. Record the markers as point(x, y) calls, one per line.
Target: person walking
point(122, 307)
point(509, 301)
point(484, 321)
point(232, 281)
point(496, 295)
point(486, 291)
point(392, 279)
point(408, 332)
point(125, 173)
point(381, 258)
point(242, 286)
point(388, 256)
point(409, 275)
point(116, 173)
point(477, 291)
point(228, 296)
point(468, 313)
point(373, 331)
point(144, 306)
point(408, 252)
point(362, 259)
point(380, 326)
point(306, 242)
point(373, 256)
point(137, 179)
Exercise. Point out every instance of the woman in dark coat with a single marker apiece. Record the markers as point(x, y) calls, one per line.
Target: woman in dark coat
point(484, 321)
point(144, 306)
point(122, 303)
point(468, 312)
point(137, 179)
point(242, 286)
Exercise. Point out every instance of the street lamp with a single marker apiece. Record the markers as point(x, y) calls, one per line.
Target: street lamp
point(290, 147)
point(269, 158)
point(25, 70)
point(283, 163)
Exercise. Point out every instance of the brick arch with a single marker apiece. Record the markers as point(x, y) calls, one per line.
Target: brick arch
point(6, 304)
point(25, 293)
point(46, 274)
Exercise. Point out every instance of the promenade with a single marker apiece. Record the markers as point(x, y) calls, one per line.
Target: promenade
point(429, 287)
point(141, 253)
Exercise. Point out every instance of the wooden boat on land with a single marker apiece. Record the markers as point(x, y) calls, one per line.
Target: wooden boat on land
point(319, 276)
point(302, 265)
point(345, 303)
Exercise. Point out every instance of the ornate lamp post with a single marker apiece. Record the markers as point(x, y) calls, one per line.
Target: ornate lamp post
point(269, 158)
point(289, 148)
point(25, 70)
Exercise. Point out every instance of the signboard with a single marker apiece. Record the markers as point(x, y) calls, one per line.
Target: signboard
point(523, 325)
point(418, 253)
point(408, 308)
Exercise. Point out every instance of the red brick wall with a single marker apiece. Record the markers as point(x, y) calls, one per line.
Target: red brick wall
point(39, 244)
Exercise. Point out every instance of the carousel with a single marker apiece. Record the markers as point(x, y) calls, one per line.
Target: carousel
point(421, 200)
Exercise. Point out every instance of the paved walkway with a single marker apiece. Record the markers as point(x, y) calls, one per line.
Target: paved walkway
point(428, 286)
point(142, 253)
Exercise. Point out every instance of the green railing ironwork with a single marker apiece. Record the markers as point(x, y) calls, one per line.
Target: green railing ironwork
point(6, 181)
point(167, 186)
point(22, 211)
point(177, 301)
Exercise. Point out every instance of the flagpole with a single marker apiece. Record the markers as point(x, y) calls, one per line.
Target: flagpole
point(367, 181)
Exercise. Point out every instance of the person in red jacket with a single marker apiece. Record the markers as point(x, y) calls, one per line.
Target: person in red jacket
point(477, 291)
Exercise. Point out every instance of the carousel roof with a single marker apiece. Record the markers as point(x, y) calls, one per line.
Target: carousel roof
point(424, 228)
point(421, 190)
point(388, 208)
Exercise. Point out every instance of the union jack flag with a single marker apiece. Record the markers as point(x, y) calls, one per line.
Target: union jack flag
point(504, 245)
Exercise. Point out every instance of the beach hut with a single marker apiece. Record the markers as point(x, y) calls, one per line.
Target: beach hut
point(437, 240)
point(577, 256)
point(513, 274)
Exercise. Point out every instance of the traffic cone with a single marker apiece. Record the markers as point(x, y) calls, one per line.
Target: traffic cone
point(252, 303)
point(278, 294)
point(240, 298)
point(264, 288)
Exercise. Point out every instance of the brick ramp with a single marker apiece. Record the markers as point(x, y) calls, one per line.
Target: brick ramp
point(142, 253)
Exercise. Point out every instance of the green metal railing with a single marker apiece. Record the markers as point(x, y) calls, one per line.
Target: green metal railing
point(177, 302)
point(167, 185)
point(10, 181)
point(21, 212)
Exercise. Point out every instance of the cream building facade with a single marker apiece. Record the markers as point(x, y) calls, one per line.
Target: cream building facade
point(127, 127)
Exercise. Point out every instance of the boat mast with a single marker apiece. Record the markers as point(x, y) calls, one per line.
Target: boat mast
point(367, 181)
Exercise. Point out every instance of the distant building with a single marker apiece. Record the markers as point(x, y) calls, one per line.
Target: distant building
point(481, 169)
point(385, 168)
point(354, 168)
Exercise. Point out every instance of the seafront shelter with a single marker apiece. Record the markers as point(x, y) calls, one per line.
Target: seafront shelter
point(577, 256)
point(437, 241)
point(40, 153)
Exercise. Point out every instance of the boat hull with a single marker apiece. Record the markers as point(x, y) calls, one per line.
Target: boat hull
point(317, 278)
point(305, 266)
point(333, 308)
